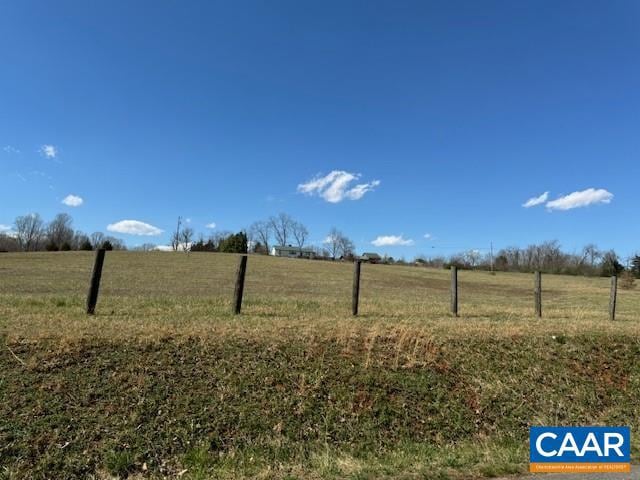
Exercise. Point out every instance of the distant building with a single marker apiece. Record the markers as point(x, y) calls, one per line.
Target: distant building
point(292, 252)
point(370, 257)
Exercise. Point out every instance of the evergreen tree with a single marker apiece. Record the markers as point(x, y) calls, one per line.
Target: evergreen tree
point(234, 243)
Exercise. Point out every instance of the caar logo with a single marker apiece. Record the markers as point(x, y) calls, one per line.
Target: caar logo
point(579, 449)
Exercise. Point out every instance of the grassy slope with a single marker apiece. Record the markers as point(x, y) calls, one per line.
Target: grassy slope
point(165, 377)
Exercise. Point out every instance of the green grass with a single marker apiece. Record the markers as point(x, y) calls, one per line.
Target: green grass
point(163, 380)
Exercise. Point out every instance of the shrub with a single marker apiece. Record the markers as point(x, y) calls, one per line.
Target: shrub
point(627, 280)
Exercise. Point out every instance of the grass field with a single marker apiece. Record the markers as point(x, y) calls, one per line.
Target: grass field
point(164, 381)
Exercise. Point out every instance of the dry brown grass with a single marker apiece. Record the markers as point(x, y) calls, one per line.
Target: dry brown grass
point(296, 387)
point(153, 295)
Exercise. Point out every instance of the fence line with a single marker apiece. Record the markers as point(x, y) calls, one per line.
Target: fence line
point(454, 290)
point(612, 297)
point(94, 285)
point(537, 293)
point(96, 275)
point(239, 288)
point(355, 292)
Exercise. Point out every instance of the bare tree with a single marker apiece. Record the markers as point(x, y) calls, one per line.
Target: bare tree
point(175, 237)
point(591, 253)
point(346, 246)
point(97, 239)
point(300, 233)
point(281, 227)
point(8, 243)
point(116, 243)
point(611, 263)
point(186, 237)
point(472, 257)
point(338, 244)
point(333, 242)
point(217, 238)
point(261, 231)
point(29, 229)
point(80, 240)
point(60, 231)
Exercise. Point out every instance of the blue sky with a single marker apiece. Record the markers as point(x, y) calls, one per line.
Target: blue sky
point(449, 115)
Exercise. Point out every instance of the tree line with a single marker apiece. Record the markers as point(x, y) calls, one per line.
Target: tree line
point(546, 257)
point(32, 234)
point(261, 236)
point(283, 230)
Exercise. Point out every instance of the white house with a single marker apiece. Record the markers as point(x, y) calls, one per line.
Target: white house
point(292, 252)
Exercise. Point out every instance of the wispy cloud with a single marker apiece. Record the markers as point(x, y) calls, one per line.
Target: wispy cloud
point(11, 150)
point(211, 225)
point(49, 151)
point(72, 201)
point(133, 227)
point(532, 202)
point(428, 236)
point(391, 241)
point(584, 198)
point(336, 186)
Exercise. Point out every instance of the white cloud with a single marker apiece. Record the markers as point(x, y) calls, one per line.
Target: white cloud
point(357, 192)
point(391, 241)
point(133, 227)
point(49, 151)
point(72, 201)
point(211, 225)
point(169, 248)
point(10, 149)
point(334, 187)
point(583, 198)
point(532, 202)
point(428, 236)
point(6, 230)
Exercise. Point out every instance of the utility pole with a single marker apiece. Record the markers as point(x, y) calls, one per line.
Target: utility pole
point(175, 243)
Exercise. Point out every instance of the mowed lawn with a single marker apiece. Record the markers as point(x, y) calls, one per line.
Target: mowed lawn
point(164, 381)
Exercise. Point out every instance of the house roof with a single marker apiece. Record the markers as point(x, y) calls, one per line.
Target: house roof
point(290, 248)
point(371, 255)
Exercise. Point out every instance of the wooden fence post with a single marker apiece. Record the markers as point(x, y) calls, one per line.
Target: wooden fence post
point(612, 297)
point(94, 286)
point(538, 294)
point(355, 295)
point(237, 293)
point(454, 290)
